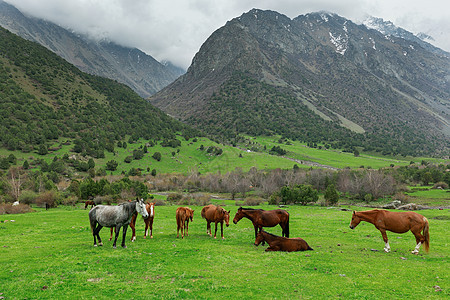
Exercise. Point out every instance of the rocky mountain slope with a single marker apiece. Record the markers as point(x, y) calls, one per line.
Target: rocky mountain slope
point(318, 77)
point(140, 71)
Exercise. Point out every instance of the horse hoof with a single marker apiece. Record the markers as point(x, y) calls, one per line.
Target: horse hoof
point(114, 247)
point(101, 244)
point(124, 246)
point(95, 245)
point(151, 236)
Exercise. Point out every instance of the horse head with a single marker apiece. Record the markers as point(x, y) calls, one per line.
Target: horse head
point(226, 217)
point(355, 220)
point(191, 214)
point(239, 215)
point(140, 208)
point(259, 238)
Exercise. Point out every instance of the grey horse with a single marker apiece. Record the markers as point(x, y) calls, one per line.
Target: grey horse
point(114, 216)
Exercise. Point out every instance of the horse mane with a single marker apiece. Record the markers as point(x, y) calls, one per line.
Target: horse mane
point(249, 208)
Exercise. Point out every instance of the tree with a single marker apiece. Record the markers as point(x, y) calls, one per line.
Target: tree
point(42, 150)
point(331, 195)
point(111, 165)
point(157, 156)
point(91, 163)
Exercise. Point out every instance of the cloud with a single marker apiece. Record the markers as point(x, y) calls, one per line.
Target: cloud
point(175, 30)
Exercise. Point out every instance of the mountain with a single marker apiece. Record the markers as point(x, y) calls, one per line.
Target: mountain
point(44, 98)
point(389, 29)
point(140, 71)
point(316, 78)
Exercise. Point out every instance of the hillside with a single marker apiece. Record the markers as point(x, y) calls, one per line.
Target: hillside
point(316, 78)
point(43, 98)
point(140, 71)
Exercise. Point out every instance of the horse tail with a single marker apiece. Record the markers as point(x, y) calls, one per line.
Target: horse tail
point(203, 212)
point(92, 220)
point(426, 234)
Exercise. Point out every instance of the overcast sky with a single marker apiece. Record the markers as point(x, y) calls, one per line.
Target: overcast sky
point(174, 30)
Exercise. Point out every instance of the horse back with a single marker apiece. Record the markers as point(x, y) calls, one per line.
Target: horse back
point(401, 221)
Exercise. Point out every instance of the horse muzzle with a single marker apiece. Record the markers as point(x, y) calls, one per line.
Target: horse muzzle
point(234, 222)
point(352, 227)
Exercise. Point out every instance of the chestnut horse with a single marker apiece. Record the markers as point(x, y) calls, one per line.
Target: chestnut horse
point(89, 202)
point(264, 218)
point(216, 214)
point(398, 222)
point(278, 243)
point(150, 207)
point(183, 215)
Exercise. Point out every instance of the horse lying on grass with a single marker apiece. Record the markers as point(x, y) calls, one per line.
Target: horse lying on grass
point(114, 216)
point(279, 243)
point(398, 222)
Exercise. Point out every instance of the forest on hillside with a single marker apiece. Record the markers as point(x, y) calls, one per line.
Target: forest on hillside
point(44, 98)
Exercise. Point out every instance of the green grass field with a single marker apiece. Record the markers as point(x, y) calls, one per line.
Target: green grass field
point(190, 158)
point(50, 255)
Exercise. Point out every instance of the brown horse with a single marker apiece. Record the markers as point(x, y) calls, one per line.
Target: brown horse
point(278, 243)
point(150, 207)
point(398, 222)
point(183, 215)
point(264, 218)
point(89, 202)
point(216, 214)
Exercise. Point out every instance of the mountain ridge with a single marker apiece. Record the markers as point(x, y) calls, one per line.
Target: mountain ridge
point(131, 66)
point(370, 83)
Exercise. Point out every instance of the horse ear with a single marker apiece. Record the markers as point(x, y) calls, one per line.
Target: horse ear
point(229, 211)
point(354, 213)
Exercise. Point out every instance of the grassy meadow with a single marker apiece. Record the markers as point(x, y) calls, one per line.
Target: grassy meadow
point(50, 255)
point(189, 157)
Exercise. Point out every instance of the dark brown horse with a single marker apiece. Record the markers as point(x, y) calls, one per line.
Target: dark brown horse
point(183, 215)
point(278, 243)
point(398, 222)
point(89, 202)
point(264, 218)
point(216, 214)
point(150, 207)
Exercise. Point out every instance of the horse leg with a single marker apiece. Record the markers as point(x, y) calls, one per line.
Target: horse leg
point(419, 240)
point(178, 228)
point(182, 228)
point(124, 233)
point(387, 248)
point(208, 228)
point(96, 234)
point(116, 231)
point(221, 230)
point(186, 227)
point(151, 227)
point(110, 238)
point(133, 229)
point(215, 232)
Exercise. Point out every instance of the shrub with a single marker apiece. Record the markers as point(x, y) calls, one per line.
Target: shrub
point(174, 197)
point(440, 185)
point(8, 208)
point(200, 199)
point(331, 195)
point(49, 197)
point(253, 201)
point(28, 197)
